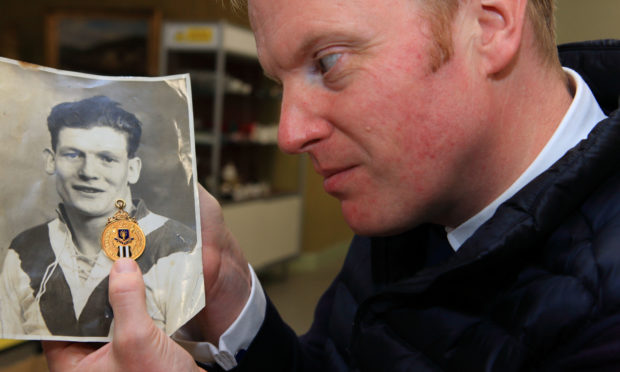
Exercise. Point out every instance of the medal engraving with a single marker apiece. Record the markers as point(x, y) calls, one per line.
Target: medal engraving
point(122, 237)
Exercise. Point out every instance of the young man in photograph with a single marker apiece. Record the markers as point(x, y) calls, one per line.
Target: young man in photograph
point(55, 275)
point(481, 178)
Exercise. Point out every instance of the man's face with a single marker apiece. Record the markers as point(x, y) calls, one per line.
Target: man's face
point(390, 137)
point(92, 169)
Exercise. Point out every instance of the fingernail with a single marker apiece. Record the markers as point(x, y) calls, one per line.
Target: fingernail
point(125, 265)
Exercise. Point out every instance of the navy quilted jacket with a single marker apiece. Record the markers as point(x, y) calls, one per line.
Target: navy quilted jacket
point(536, 288)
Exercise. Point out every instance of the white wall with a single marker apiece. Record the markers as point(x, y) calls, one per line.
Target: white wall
point(579, 20)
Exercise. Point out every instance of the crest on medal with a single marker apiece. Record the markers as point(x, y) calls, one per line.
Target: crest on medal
point(122, 236)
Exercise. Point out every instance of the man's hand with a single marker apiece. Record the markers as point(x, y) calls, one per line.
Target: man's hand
point(226, 273)
point(137, 344)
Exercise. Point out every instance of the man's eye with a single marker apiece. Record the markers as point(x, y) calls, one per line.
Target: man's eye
point(71, 155)
point(107, 159)
point(327, 62)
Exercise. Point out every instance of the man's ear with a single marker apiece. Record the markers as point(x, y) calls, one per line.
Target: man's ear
point(50, 161)
point(501, 24)
point(133, 172)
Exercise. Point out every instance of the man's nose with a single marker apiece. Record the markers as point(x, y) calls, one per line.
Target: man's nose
point(301, 121)
point(87, 169)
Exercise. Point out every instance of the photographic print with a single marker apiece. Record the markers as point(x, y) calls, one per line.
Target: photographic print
point(72, 146)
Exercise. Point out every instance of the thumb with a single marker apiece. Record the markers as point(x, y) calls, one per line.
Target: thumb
point(137, 343)
point(133, 326)
point(127, 295)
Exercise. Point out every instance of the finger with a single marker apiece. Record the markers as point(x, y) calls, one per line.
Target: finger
point(210, 210)
point(64, 356)
point(53, 350)
point(214, 232)
point(133, 326)
point(205, 197)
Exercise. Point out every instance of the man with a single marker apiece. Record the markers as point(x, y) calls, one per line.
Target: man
point(481, 178)
point(55, 275)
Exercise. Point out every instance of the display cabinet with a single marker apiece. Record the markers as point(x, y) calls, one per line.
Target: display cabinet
point(236, 111)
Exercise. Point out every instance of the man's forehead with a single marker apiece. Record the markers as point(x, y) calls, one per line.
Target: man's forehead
point(286, 29)
point(103, 136)
point(86, 129)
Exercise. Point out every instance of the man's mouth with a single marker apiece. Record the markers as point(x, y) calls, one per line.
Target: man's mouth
point(86, 189)
point(329, 172)
point(333, 177)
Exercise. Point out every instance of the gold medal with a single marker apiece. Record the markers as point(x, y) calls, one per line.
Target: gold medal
point(122, 237)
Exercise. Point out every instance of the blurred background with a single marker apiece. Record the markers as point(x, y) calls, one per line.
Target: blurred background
point(291, 231)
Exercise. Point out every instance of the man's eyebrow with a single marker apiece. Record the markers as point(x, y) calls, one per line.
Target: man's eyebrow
point(107, 153)
point(69, 148)
point(302, 50)
point(309, 43)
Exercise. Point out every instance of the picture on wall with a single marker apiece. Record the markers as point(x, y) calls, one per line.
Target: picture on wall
point(105, 42)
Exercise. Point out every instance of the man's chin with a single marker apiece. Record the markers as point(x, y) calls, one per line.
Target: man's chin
point(367, 221)
point(369, 225)
point(377, 231)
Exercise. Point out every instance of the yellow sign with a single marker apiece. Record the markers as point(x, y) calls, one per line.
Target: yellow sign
point(195, 35)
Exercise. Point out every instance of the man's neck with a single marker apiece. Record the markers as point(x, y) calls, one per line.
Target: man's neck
point(86, 230)
point(529, 106)
point(583, 115)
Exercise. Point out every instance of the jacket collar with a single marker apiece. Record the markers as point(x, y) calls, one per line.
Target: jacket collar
point(597, 62)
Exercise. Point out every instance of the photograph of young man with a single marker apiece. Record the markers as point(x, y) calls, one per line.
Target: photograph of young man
point(54, 279)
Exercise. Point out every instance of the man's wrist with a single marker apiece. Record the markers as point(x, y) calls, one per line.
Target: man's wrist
point(236, 339)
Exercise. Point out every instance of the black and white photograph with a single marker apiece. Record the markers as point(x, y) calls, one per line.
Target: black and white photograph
point(72, 146)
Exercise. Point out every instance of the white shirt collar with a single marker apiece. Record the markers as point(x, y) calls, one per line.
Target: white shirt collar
point(582, 116)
